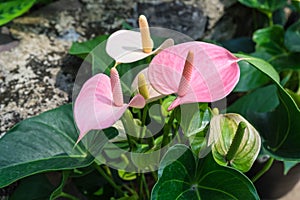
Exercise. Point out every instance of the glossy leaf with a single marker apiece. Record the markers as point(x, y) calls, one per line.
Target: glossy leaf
point(39, 186)
point(246, 144)
point(295, 96)
point(194, 123)
point(288, 165)
point(12, 9)
point(296, 4)
point(266, 5)
point(250, 78)
point(42, 143)
point(270, 40)
point(82, 49)
point(278, 127)
point(286, 61)
point(292, 37)
point(261, 100)
point(186, 177)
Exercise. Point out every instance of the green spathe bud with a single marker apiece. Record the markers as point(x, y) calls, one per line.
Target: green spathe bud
point(235, 142)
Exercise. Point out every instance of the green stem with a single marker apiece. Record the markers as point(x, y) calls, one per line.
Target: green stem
point(140, 182)
point(146, 186)
point(128, 123)
point(167, 128)
point(236, 142)
point(263, 170)
point(298, 91)
point(109, 180)
point(69, 196)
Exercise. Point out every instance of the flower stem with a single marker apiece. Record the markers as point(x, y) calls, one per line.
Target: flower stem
point(109, 180)
point(146, 186)
point(69, 196)
point(167, 128)
point(263, 170)
point(128, 124)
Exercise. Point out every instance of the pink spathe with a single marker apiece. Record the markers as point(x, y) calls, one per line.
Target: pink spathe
point(215, 72)
point(94, 107)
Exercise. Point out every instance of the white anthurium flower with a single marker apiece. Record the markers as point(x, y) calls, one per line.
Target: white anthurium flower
point(126, 46)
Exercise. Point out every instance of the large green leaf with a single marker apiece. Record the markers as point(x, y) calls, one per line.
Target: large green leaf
point(250, 78)
point(266, 5)
point(270, 40)
point(187, 177)
point(286, 61)
point(280, 127)
point(42, 143)
point(12, 9)
point(292, 37)
point(39, 186)
point(261, 100)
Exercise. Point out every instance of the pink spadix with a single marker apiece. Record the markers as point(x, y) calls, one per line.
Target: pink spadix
point(195, 71)
point(100, 103)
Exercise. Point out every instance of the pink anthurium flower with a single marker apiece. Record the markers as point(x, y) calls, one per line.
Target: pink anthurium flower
point(127, 46)
point(195, 71)
point(100, 103)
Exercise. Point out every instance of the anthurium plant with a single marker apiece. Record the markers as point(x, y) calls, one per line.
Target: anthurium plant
point(150, 118)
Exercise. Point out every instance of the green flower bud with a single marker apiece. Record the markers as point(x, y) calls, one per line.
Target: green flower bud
point(235, 142)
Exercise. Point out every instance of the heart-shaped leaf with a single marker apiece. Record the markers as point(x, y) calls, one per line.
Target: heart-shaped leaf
point(42, 143)
point(250, 78)
point(280, 126)
point(270, 39)
point(182, 176)
point(292, 37)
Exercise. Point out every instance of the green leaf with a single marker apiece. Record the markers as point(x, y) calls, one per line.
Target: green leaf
point(262, 66)
point(295, 96)
point(84, 48)
point(182, 176)
point(270, 40)
point(288, 165)
point(94, 52)
point(292, 37)
point(266, 5)
point(286, 61)
point(260, 100)
point(279, 127)
point(296, 4)
point(250, 78)
point(42, 143)
point(38, 185)
point(127, 176)
point(12, 9)
point(194, 123)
